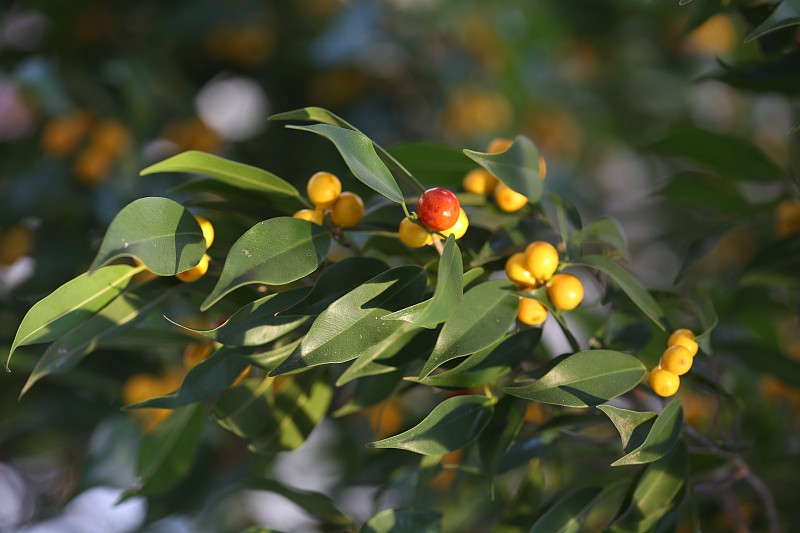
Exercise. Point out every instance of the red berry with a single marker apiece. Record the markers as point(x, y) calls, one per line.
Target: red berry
point(438, 209)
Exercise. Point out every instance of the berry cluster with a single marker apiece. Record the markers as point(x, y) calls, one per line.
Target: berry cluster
point(438, 211)
point(536, 267)
point(676, 360)
point(199, 270)
point(481, 181)
point(346, 209)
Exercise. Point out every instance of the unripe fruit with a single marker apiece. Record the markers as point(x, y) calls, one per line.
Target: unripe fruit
point(565, 291)
point(542, 260)
point(677, 334)
point(479, 181)
point(323, 189)
point(508, 199)
point(517, 271)
point(438, 208)
point(664, 383)
point(531, 312)
point(348, 210)
point(317, 216)
point(689, 344)
point(208, 230)
point(500, 144)
point(196, 272)
point(676, 359)
point(413, 235)
point(459, 228)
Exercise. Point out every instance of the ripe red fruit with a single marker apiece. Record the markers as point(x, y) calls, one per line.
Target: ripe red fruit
point(438, 209)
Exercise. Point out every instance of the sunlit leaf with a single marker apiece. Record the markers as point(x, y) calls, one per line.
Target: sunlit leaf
point(517, 167)
point(660, 439)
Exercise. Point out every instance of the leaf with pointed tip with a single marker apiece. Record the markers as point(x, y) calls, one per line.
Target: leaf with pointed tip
point(256, 323)
point(352, 324)
point(483, 316)
point(446, 296)
point(517, 167)
point(159, 232)
point(626, 421)
point(273, 357)
point(334, 282)
point(584, 379)
point(408, 520)
point(316, 504)
point(452, 424)
point(785, 15)
point(607, 230)
point(660, 440)
point(70, 304)
point(361, 158)
point(568, 513)
point(274, 252)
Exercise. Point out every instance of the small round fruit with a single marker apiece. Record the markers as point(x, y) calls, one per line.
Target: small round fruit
point(500, 144)
point(317, 216)
point(323, 189)
point(565, 291)
point(92, 166)
point(196, 272)
point(689, 344)
point(208, 230)
point(676, 359)
point(677, 334)
point(413, 235)
point(15, 243)
point(531, 312)
point(542, 168)
point(347, 210)
point(517, 271)
point(663, 382)
point(459, 228)
point(542, 260)
point(438, 208)
point(787, 218)
point(508, 199)
point(479, 181)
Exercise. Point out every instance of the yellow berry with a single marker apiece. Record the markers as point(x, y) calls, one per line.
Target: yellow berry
point(413, 235)
point(459, 228)
point(677, 334)
point(787, 218)
point(93, 165)
point(500, 144)
point(479, 181)
point(676, 359)
point(323, 189)
point(517, 270)
point(111, 136)
point(542, 260)
point(687, 343)
point(542, 168)
point(196, 272)
point(508, 199)
point(208, 230)
point(347, 210)
point(15, 243)
point(663, 382)
point(317, 216)
point(565, 291)
point(531, 312)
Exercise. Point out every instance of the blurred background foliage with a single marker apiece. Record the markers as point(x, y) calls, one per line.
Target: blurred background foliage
point(676, 120)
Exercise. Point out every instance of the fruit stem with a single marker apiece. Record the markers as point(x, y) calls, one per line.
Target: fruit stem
point(437, 243)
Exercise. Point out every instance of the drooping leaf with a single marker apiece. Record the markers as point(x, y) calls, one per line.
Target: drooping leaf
point(159, 232)
point(607, 230)
point(70, 304)
point(408, 520)
point(359, 154)
point(446, 296)
point(352, 324)
point(451, 425)
point(441, 164)
point(660, 440)
point(568, 513)
point(517, 167)
point(274, 252)
point(483, 316)
point(584, 379)
point(316, 504)
point(785, 15)
point(626, 421)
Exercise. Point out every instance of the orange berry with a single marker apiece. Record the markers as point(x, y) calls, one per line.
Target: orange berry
point(531, 312)
point(542, 260)
point(195, 353)
point(15, 243)
point(207, 229)
point(508, 199)
point(565, 291)
point(787, 218)
point(323, 189)
point(196, 272)
point(459, 228)
point(663, 382)
point(517, 270)
point(317, 216)
point(111, 136)
point(347, 210)
point(92, 166)
point(438, 208)
point(413, 235)
point(500, 144)
point(677, 334)
point(687, 343)
point(61, 136)
point(676, 359)
point(479, 181)
point(542, 168)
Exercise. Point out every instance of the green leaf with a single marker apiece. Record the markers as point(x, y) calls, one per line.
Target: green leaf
point(365, 364)
point(271, 358)
point(447, 295)
point(167, 454)
point(441, 164)
point(517, 167)
point(362, 160)
point(451, 425)
point(369, 391)
point(232, 173)
point(71, 304)
point(627, 422)
point(785, 15)
point(159, 232)
point(407, 520)
point(519, 516)
point(316, 504)
point(607, 230)
point(629, 284)
point(352, 324)
point(256, 323)
point(122, 313)
point(660, 440)
point(336, 281)
point(484, 315)
point(274, 252)
point(584, 379)
point(503, 429)
point(568, 513)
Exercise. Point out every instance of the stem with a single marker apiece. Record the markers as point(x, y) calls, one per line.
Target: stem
point(573, 342)
point(437, 243)
point(344, 240)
